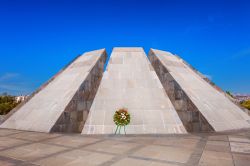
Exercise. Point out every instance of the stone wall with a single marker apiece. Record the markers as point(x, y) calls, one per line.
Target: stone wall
point(190, 116)
point(76, 112)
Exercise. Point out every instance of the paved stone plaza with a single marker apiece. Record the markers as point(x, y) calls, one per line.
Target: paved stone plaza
point(33, 148)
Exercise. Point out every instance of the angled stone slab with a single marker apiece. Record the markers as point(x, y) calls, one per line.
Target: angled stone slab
point(63, 103)
point(200, 106)
point(131, 82)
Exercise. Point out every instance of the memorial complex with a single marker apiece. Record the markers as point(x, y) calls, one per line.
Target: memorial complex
point(174, 116)
point(163, 94)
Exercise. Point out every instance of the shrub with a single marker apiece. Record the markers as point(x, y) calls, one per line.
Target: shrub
point(246, 104)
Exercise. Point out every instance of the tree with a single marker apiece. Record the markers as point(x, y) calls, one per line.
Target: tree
point(230, 94)
point(7, 103)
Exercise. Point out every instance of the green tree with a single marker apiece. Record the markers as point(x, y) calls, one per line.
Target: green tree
point(7, 103)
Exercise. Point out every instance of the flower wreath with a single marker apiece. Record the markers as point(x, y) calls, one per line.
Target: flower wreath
point(121, 118)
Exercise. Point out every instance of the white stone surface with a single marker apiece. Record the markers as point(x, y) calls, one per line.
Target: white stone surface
point(42, 111)
point(219, 111)
point(130, 82)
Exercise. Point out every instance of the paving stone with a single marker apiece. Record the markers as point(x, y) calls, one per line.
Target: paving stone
point(34, 136)
point(138, 162)
point(218, 138)
point(212, 158)
point(241, 159)
point(178, 142)
point(218, 146)
point(5, 132)
point(6, 142)
point(143, 140)
point(239, 139)
point(75, 158)
point(123, 138)
point(164, 153)
point(190, 136)
point(240, 147)
point(6, 163)
point(244, 134)
point(32, 151)
point(72, 141)
point(112, 146)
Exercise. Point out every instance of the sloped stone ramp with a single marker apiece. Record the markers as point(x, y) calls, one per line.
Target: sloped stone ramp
point(63, 103)
point(200, 106)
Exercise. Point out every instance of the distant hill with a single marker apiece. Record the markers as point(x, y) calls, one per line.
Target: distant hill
point(243, 100)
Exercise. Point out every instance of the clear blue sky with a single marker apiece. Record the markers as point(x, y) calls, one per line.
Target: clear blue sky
point(38, 38)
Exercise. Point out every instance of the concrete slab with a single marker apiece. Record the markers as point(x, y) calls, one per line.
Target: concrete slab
point(131, 82)
point(214, 107)
point(43, 110)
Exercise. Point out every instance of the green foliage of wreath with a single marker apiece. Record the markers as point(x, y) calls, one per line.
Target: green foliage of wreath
point(121, 117)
